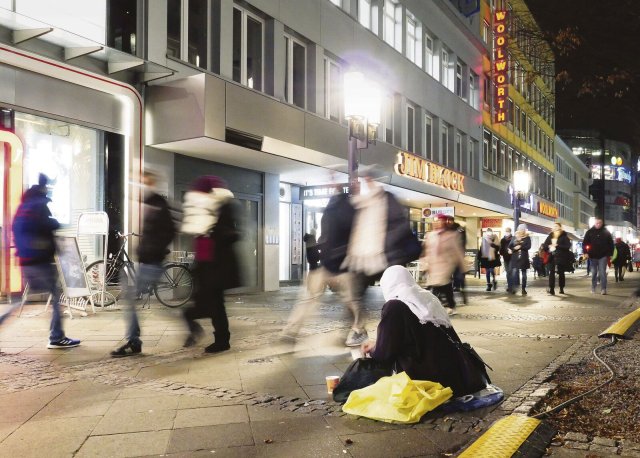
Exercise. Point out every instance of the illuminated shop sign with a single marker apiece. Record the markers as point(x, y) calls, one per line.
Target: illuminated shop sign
point(547, 210)
point(412, 166)
point(432, 212)
point(323, 192)
point(500, 66)
point(611, 173)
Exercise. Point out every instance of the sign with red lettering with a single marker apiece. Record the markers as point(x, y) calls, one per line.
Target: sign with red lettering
point(500, 66)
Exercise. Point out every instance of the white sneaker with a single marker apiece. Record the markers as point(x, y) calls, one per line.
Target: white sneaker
point(603, 292)
point(355, 339)
point(451, 311)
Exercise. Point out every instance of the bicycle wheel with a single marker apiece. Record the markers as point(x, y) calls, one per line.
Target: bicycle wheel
point(175, 286)
point(114, 283)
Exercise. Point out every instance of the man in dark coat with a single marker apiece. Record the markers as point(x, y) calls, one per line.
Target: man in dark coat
point(623, 257)
point(33, 231)
point(335, 232)
point(459, 274)
point(598, 245)
point(506, 256)
point(157, 233)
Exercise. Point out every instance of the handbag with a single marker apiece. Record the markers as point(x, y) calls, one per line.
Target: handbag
point(630, 266)
point(204, 247)
point(472, 368)
point(361, 373)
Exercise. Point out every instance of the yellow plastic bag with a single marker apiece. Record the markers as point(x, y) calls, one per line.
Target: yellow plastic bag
point(397, 399)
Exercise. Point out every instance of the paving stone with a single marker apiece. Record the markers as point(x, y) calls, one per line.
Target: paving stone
point(125, 445)
point(577, 445)
point(577, 437)
point(609, 451)
point(210, 437)
point(604, 441)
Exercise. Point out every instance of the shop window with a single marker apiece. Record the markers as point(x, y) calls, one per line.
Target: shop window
point(501, 159)
point(248, 52)
point(446, 71)
point(333, 90)
point(295, 76)
point(187, 37)
point(414, 39)
point(72, 157)
point(122, 25)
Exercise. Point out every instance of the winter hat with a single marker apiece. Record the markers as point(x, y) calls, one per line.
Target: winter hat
point(522, 227)
point(206, 183)
point(43, 180)
point(441, 217)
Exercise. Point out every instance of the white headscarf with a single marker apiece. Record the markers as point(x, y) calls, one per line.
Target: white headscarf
point(397, 283)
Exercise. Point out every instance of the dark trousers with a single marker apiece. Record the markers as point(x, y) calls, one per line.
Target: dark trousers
point(447, 292)
point(619, 270)
point(552, 276)
point(209, 303)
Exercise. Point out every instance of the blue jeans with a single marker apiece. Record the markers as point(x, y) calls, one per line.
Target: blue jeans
point(490, 272)
point(44, 278)
point(146, 276)
point(599, 268)
point(516, 274)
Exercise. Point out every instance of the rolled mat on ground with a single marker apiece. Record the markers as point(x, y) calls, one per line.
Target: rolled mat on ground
point(397, 399)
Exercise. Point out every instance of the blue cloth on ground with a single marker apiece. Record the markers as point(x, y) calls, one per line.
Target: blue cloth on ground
point(487, 397)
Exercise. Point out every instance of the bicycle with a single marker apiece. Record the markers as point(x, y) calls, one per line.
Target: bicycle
point(173, 289)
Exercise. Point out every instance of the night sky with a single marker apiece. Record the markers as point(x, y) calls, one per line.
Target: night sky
point(599, 83)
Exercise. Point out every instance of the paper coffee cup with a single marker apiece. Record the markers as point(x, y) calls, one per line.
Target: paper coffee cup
point(332, 382)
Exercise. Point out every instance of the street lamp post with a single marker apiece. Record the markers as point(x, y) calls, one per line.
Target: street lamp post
point(520, 189)
point(362, 110)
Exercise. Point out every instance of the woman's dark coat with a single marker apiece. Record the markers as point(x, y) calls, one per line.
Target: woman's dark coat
point(520, 255)
point(562, 256)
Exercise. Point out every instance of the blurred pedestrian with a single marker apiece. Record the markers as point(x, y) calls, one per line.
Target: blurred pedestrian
point(335, 230)
point(460, 273)
point(599, 244)
point(312, 250)
point(490, 258)
point(442, 255)
point(158, 231)
point(620, 259)
point(210, 215)
point(519, 247)
point(636, 257)
point(381, 237)
point(33, 232)
point(506, 258)
point(558, 245)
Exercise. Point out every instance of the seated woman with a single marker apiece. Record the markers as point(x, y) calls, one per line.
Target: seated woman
point(415, 335)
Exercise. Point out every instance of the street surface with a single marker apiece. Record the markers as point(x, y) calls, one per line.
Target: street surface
point(265, 397)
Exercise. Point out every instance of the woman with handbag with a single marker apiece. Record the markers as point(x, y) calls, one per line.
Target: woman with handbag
point(415, 336)
point(490, 258)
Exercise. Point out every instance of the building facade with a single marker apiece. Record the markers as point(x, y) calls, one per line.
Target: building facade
point(613, 168)
point(519, 109)
point(252, 91)
point(573, 179)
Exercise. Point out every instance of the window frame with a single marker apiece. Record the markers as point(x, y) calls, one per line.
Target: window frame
point(444, 144)
point(457, 152)
point(246, 15)
point(328, 89)
point(416, 58)
point(394, 37)
point(428, 136)
point(410, 128)
point(291, 41)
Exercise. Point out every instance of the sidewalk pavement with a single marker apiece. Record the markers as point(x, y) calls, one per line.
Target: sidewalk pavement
point(264, 397)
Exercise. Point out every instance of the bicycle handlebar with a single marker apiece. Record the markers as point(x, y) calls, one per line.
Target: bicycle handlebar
point(120, 235)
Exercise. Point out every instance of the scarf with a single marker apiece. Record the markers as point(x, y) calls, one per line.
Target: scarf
point(520, 235)
point(487, 250)
point(397, 283)
point(201, 210)
point(366, 245)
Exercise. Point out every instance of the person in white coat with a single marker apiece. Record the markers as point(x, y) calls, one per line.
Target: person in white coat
point(442, 254)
